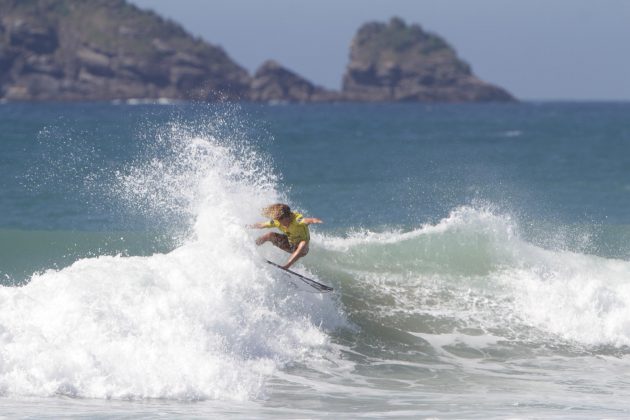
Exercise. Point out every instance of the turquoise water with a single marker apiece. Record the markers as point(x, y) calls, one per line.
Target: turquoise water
point(479, 255)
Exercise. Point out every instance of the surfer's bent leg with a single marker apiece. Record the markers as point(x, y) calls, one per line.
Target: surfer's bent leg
point(299, 251)
point(279, 240)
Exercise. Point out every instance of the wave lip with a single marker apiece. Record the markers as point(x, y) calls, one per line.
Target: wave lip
point(469, 241)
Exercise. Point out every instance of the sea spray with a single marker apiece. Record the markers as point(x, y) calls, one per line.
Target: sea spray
point(175, 179)
point(208, 320)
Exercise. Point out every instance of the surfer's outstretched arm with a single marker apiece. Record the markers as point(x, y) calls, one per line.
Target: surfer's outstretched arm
point(311, 220)
point(300, 250)
point(261, 225)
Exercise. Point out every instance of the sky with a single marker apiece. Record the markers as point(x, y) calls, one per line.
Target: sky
point(536, 49)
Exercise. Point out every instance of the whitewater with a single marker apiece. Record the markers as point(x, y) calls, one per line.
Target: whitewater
point(472, 315)
point(205, 321)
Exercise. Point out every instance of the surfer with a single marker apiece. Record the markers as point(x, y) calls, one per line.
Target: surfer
point(295, 236)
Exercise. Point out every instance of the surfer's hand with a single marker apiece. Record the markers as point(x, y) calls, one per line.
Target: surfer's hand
point(312, 220)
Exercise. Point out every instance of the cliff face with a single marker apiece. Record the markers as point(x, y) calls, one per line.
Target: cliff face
point(106, 49)
point(397, 62)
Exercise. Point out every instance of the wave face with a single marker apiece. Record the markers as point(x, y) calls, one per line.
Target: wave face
point(474, 274)
point(207, 320)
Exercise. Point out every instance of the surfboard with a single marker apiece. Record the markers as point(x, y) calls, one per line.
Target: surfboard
point(322, 288)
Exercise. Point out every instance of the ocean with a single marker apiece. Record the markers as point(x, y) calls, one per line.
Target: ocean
point(480, 256)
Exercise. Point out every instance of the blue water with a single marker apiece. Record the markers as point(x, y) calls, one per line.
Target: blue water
point(562, 161)
point(479, 255)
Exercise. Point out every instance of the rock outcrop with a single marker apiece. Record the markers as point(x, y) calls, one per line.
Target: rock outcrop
point(397, 62)
point(76, 50)
point(107, 49)
point(274, 83)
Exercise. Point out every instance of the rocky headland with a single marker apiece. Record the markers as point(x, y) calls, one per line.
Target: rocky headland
point(107, 49)
point(65, 50)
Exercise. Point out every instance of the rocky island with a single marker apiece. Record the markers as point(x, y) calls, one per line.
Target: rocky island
point(274, 83)
point(399, 62)
point(65, 50)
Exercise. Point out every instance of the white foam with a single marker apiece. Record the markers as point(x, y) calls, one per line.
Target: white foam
point(578, 297)
point(207, 320)
point(479, 342)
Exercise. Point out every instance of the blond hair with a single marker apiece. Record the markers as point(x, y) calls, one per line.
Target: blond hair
point(276, 211)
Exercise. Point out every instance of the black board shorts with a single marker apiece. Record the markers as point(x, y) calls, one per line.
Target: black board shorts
point(282, 241)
